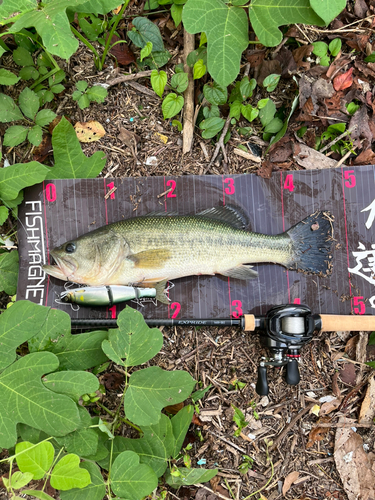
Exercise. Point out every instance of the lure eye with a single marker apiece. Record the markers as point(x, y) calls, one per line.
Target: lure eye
point(70, 248)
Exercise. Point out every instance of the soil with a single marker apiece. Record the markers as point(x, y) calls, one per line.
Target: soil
point(227, 359)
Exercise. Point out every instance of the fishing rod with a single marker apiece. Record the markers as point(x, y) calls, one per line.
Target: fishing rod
point(284, 331)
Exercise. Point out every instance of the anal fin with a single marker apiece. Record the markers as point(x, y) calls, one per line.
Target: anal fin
point(241, 272)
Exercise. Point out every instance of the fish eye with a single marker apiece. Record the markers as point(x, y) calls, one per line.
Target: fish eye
point(70, 248)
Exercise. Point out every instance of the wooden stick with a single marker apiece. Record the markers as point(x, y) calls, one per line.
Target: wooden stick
point(188, 134)
point(127, 78)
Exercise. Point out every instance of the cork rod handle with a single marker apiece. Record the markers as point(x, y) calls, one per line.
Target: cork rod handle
point(332, 323)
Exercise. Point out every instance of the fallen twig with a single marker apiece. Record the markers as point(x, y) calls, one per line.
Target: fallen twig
point(220, 144)
point(292, 423)
point(188, 135)
point(128, 78)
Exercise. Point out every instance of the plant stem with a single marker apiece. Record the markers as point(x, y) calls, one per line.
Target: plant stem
point(87, 43)
point(270, 479)
point(113, 415)
point(111, 33)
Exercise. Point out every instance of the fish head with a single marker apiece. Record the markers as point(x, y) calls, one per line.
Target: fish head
point(90, 259)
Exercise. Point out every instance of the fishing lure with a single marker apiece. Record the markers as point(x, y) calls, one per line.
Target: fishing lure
point(95, 296)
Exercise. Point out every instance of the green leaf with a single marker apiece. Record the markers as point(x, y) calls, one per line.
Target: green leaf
point(370, 58)
point(249, 112)
point(155, 447)
point(44, 117)
point(176, 13)
point(267, 15)
point(197, 395)
point(83, 101)
point(247, 87)
point(320, 49)
point(94, 491)
point(158, 81)
point(235, 109)
point(371, 340)
point(273, 126)
point(19, 480)
point(97, 93)
point(267, 112)
point(335, 46)
point(133, 341)
point(18, 324)
point(18, 176)
point(37, 459)
point(92, 27)
point(180, 82)
point(70, 161)
point(9, 111)
point(199, 69)
point(325, 61)
point(226, 27)
point(352, 107)
point(178, 124)
point(56, 89)
point(79, 352)
point(97, 6)
point(131, 479)
point(195, 55)
point(180, 425)
point(56, 325)
point(146, 31)
point(22, 57)
point(28, 73)
point(152, 389)
point(35, 135)
point(29, 103)
point(211, 126)
point(45, 96)
point(4, 213)
point(172, 105)
point(328, 9)
point(83, 441)
point(158, 60)
point(15, 135)
point(42, 495)
point(58, 77)
point(9, 271)
point(215, 94)
point(190, 476)
point(67, 474)
point(146, 51)
point(37, 406)
point(271, 81)
point(72, 383)
point(82, 85)
point(7, 77)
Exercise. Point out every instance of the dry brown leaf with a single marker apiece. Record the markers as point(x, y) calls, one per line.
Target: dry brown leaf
point(196, 420)
point(329, 406)
point(318, 433)
point(289, 480)
point(272, 67)
point(265, 170)
point(312, 159)
point(355, 466)
point(122, 52)
point(255, 57)
point(44, 149)
point(335, 386)
point(348, 374)
point(344, 81)
point(367, 413)
point(360, 8)
point(89, 131)
point(351, 345)
point(174, 409)
point(337, 64)
point(128, 137)
point(112, 381)
point(302, 53)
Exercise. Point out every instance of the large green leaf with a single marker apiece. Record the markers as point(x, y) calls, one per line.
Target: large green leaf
point(29, 103)
point(35, 459)
point(9, 7)
point(70, 161)
point(133, 340)
point(98, 6)
point(146, 31)
point(67, 474)
point(130, 479)
point(9, 111)
point(83, 441)
point(25, 399)
point(18, 324)
point(155, 447)
point(180, 425)
point(79, 352)
point(18, 176)
point(190, 476)
point(71, 383)
point(94, 491)
point(267, 15)
point(152, 389)
point(328, 9)
point(226, 28)
point(57, 325)
point(9, 271)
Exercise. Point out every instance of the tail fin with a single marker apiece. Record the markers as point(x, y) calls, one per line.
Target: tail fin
point(312, 240)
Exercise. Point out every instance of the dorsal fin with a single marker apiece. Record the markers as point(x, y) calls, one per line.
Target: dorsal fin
point(229, 214)
point(158, 213)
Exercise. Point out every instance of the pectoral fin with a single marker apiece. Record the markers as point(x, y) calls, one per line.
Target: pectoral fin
point(242, 272)
point(151, 259)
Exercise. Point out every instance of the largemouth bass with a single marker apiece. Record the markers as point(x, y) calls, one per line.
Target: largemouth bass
point(149, 250)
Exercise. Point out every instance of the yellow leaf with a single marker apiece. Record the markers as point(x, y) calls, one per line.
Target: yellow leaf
point(89, 131)
point(161, 137)
point(315, 410)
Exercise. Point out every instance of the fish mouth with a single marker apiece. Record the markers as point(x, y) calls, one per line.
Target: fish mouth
point(61, 269)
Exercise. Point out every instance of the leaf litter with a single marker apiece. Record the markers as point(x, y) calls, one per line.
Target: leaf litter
point(322, 103)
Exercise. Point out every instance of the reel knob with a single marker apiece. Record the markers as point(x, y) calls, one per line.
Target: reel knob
point(262, 384)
